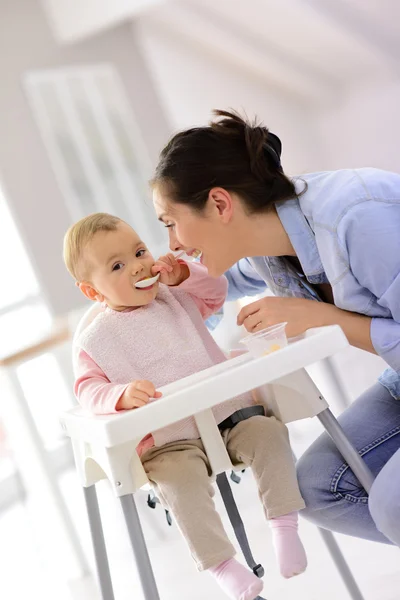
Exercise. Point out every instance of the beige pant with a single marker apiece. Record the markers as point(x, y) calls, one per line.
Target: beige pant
point(181, 473)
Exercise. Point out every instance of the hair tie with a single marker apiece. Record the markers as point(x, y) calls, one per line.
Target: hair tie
point(274, 148)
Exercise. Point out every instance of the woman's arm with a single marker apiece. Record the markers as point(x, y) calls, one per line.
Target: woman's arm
point(357, 328)
point(243, 280)
point(301, 314)
point(370, 239)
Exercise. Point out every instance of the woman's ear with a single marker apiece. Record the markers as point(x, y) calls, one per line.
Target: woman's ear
point(221, 203)
point(89, 291)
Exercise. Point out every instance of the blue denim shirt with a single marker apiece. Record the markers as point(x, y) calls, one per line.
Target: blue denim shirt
point(345, 229)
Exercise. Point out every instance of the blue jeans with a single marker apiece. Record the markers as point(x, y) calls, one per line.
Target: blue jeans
point(334, 498)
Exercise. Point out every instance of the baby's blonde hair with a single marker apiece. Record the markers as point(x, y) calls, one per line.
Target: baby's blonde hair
point(79, 235)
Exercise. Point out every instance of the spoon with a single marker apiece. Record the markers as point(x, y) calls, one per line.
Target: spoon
point(144, 283)
point(188, 257)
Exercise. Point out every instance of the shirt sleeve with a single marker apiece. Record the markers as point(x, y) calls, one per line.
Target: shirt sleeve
point(371, 238)
point(243, 280)
point(93, 389)
point(208, 292)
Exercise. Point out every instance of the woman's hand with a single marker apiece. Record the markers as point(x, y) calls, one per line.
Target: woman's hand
point(172, 271)
point(137, 394)
point(299, 313)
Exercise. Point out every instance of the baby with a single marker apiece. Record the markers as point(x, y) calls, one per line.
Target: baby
point(149, 337)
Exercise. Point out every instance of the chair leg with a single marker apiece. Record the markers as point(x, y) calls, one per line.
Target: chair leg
point(338, 393)
point(341, 564)
point(139, 548)
point(365, 477)
point(99, 546)
point(346, 449)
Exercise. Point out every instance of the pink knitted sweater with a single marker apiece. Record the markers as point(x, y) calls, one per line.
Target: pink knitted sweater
point(162, 342)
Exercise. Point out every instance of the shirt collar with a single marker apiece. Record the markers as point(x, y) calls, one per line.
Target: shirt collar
point(301, 236)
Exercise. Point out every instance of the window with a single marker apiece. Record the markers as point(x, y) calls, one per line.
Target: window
point(22, 309)
point(23, 315)
point(93, 143)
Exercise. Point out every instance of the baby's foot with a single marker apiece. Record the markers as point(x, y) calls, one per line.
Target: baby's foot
point(236, 581)
point(289, 549)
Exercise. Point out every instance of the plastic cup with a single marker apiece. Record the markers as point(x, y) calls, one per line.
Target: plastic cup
point(266, 341)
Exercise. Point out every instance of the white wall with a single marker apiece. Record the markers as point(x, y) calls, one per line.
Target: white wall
point(361, 129)
point(71, 20)
point(364, 130)
point(192, 83)
point(28, 180)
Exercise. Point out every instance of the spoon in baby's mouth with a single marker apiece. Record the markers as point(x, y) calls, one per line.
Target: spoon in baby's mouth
point(144, 283)
point(149, 281)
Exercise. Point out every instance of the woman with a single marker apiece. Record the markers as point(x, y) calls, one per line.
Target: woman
point(328, 246)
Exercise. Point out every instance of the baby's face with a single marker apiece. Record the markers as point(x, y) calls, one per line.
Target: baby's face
point(117, 260)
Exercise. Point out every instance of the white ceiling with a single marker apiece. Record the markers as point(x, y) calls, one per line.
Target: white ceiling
point(375, 22)
point(293, 30)
point(315, 49)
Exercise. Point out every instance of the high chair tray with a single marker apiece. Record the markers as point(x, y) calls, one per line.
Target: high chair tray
point(204, 389)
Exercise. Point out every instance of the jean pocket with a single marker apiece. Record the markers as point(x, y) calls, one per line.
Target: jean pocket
point(391, 381)
point(345, 485)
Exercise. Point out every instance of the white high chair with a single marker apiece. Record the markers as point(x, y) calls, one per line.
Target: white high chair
point(104, 446)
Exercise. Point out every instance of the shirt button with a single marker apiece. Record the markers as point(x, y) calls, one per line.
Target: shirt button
point(280, 280)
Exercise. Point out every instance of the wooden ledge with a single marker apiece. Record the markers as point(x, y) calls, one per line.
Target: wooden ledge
point(57, 335)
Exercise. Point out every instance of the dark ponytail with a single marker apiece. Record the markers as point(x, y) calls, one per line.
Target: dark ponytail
point(230, 153)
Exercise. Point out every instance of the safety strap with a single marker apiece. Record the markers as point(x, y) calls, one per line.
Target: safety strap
point(238, 526)
point(241, 415)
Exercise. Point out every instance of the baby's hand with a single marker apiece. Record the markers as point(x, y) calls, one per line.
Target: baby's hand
point(172, 272)
point(138, 393)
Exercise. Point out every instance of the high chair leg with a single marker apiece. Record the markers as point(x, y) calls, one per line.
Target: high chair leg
point(99, 546)
point(139, 547)
point(341, 564)
point(346, 449)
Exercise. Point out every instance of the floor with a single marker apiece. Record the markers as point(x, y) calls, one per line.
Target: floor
point(26, 573)
point(35, 564)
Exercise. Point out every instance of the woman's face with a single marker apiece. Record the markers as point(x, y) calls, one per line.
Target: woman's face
point(210, 232)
